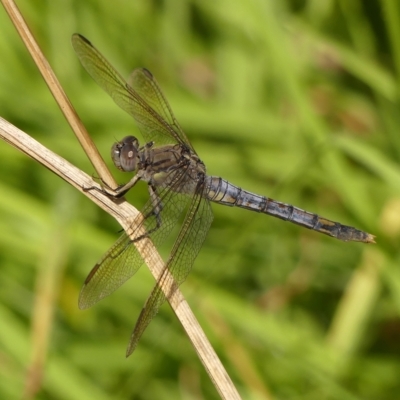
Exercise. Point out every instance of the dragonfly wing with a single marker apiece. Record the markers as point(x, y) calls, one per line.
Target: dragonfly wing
point(145, 85)
point(153, 125)
point(190, 239)
point(123, 260)
point(120, 262)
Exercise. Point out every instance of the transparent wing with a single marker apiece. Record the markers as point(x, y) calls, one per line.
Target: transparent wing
point(190, 239)
point(146, 86)
point(144, 101)
point(123, 260)
point(113, 269)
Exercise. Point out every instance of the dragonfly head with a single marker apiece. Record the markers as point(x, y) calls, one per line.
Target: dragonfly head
point(125, 154)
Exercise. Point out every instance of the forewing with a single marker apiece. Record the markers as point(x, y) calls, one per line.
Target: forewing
point(146, 86)
point(123, 260)
point(190, 239)
point(153, 126)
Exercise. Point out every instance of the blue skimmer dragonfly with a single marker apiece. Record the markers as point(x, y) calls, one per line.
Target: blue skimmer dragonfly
point(179, 189)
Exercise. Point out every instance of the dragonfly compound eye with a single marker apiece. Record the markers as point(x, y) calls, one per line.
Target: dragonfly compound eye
point(125, 153)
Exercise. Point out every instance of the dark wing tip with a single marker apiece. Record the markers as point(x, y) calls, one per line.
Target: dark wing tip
point(81, 37)
point(148, 73)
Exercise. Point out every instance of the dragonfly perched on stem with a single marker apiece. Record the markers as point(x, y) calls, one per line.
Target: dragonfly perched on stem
point(179, 189)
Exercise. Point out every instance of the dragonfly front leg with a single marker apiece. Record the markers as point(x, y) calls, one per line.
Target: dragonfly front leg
point(123, 189)
point(117, 192)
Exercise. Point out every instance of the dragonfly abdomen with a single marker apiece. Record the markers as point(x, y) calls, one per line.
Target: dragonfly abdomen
point(221, 191)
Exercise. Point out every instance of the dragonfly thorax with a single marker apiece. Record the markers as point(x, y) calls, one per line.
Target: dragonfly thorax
point(125, 154)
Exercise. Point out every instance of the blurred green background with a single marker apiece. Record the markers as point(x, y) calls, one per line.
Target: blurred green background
point(297, 100)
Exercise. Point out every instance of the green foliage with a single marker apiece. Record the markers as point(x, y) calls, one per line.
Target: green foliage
point(297, 100)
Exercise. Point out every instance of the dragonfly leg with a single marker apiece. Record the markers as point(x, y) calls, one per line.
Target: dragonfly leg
point(123, 189)
point(105, 189)
point(157, 206)
point(156, 211)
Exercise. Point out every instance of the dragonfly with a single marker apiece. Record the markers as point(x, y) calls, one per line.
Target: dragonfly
point(180, 191)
